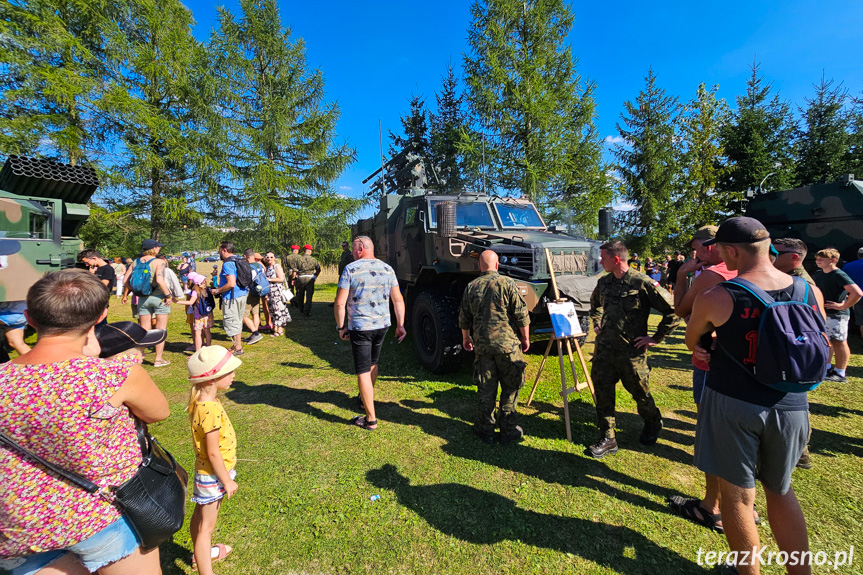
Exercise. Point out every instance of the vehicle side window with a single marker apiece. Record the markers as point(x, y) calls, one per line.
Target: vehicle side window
point(411, 215)
point(26, 219)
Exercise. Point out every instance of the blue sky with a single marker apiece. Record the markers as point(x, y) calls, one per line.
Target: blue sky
point(375, 55)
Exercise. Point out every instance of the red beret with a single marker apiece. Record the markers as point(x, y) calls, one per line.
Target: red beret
point(307, 247)
point(295, 247)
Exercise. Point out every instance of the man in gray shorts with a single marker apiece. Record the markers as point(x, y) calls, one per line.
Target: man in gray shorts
point(747, 431)
point(233, 297)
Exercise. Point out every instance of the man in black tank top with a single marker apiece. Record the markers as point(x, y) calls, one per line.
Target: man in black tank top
point(747, 431)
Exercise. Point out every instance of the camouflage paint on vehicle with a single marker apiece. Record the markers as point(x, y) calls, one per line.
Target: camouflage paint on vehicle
point(42, 208)
point(822, 215)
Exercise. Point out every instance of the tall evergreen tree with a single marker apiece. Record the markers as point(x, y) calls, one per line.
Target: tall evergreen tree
point(647, 168)
point(446, 129)
point(51, 75)
point(854, 156)
point(701, 155)
point(414, 129)
point(823, 145)
point(758, 142)
point(523, 91)
point(277, 127)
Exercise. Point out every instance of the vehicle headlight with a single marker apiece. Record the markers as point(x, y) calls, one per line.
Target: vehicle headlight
point(504, 259)
point(513, 260)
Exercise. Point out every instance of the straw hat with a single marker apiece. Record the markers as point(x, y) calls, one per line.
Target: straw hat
point(211, 362)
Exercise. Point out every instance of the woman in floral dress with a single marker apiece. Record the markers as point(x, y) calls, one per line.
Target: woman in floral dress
point(279, 314)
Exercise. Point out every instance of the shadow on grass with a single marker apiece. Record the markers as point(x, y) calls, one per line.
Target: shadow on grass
point(483, 518)
point(827, 443)
point(175, 559)
point(833, 410)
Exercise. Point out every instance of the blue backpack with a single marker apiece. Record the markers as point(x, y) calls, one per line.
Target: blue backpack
point(792, 347)
point(261, 283)
point(141, 280)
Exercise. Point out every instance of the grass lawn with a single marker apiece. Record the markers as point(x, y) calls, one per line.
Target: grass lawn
point(450, 504)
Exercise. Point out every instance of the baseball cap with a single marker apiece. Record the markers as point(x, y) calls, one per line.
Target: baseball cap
point(307, 247)
point(704, 233)
point(860, 252)
point(295, 247)
point(120, 336)
point(741, 230)
point(211, 362)
point(149, 244)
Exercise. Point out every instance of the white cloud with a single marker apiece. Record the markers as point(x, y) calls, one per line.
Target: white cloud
point(615, 140)
point(346, 188)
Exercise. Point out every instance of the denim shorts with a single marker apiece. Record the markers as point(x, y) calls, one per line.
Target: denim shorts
point(109, 545)
point(153, 305)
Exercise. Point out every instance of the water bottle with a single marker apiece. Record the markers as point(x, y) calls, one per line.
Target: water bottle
point(374, 497)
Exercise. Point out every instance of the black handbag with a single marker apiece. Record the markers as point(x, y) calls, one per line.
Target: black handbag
point(154, 500)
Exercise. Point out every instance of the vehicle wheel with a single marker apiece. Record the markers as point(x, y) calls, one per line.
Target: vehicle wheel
point(437, 338)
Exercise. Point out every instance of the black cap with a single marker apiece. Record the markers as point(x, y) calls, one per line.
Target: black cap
point(120, 336)
point(149, 244)
point(740, 230)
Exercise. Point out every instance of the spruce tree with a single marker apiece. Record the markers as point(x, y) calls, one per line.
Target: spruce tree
point(647, 168)
point(758, 142)
point(446, 129)
point(277, 127)
point(414, 129)
point(854, 156)
point(823, 145)
point(701, 160)
point(523, 93)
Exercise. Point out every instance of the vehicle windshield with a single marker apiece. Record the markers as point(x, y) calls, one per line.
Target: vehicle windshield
point(518, 215)
point(467, 215)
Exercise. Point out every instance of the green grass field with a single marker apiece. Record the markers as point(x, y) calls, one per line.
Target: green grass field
point(450, 504)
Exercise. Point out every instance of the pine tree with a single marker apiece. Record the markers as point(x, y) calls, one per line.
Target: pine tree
point(278, 129)
point(647, 167)
point(446, 129)
point(523, 92)
point(414, 129)
point(822, 147)
point(758, 142)
point(701, 155)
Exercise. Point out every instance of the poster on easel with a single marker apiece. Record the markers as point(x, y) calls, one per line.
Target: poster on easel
point(564, 320)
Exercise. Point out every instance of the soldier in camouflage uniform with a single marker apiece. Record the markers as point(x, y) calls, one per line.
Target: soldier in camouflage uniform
point(290, 266)
point(308, 269)
point(491, 312)
point(619, 308)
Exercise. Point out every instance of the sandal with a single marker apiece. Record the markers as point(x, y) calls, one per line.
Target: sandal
point(161, 363)
point(361, 421)
point(224, 551)
point(690, 508)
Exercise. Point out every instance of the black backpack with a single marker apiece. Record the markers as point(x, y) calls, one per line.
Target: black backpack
point(792, 347)
point(244, 272)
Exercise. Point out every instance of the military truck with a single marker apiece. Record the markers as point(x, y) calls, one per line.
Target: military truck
point(433, 242)
point(43, 205)
point(822, 215)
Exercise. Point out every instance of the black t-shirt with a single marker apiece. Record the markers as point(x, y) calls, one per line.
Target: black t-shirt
point(832, 286)
point(673, 267)
point(106, 272)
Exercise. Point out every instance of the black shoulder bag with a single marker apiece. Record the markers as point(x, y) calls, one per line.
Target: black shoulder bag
point(154, 500)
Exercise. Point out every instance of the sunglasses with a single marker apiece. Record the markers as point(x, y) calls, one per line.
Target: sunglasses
point(798, 253)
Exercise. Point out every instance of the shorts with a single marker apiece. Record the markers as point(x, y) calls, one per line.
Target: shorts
point(366, 347)
point(12, 314)
point(253, 303)
point(232, 315)
point(742, 442)
point(699, 378)
point(109, 545)
point(153, 305)
point(201, 323)
point(837, 327)
point(208, 488)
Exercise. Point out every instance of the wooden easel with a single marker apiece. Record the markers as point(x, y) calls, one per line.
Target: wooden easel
point(568, 341)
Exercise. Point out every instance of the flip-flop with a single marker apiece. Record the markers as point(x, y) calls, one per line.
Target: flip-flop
point(162, 363)
point(224, 551)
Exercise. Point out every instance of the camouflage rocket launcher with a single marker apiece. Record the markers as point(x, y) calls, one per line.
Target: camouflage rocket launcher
point(43, 205)
point(433, 242)
point(822, 215)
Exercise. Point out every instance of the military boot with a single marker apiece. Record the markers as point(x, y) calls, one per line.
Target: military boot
point(650, 433)
point(605, 446)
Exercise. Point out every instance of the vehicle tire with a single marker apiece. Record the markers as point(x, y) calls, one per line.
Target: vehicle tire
point(436, 335)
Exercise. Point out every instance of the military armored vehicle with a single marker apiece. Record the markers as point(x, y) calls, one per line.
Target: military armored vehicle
point(433, 242)
point(822, 215)
point(43, 205)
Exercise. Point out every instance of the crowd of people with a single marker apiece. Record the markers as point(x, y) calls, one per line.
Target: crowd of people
point(746, 431)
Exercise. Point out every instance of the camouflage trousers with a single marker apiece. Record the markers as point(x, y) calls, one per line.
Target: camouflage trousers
point(609, 367)
point(305, 291)
point(507, 370)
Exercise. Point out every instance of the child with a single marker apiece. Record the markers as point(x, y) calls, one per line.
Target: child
point(211, 368)
point(200, 311)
